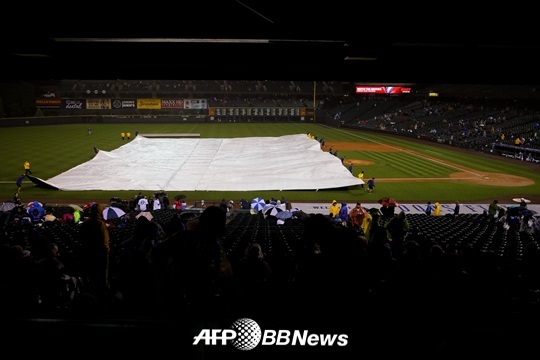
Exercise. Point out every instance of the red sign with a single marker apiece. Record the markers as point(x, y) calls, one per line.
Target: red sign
point(392, 90)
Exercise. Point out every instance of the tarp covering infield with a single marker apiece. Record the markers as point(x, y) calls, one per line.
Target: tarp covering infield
point(290, 162)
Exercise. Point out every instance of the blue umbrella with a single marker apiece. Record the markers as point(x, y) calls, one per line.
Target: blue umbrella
point(527, 212)
point(35, 210)
point(284, 214)
point(257, 204)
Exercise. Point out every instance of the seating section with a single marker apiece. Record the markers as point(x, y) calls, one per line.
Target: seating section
point(484, 274)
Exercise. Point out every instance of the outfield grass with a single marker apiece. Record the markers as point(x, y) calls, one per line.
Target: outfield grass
point(57, 148)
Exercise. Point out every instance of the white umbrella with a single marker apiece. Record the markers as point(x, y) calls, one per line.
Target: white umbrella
point(7, 206)
point(273, 211)
point(112, 212)
point(267, 207)
point(257, 204)
point(75, 207)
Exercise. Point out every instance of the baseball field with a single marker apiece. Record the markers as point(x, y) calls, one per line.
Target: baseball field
point(406, 169)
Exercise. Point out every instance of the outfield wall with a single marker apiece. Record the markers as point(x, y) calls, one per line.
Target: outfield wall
point(147, 119)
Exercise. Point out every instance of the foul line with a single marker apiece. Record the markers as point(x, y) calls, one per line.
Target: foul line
point(420, 179)
point(411, 152)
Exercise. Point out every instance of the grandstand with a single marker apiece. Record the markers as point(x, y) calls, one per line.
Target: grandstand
point(484, 277)
point(458, 285)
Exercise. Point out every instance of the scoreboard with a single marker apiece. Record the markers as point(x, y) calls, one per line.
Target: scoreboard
point(257, 111)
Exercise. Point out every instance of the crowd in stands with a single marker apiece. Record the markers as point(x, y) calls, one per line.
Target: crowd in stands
point(307, 271)
point(476, 125)
point(168, 88)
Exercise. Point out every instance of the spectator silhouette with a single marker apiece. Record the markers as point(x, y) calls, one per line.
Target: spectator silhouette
point(94, 256)
point(397, 228)
point(253, 278)
point(56, 288)
point(329, 269)
point(135, 267)
point(195, 266)
point(254, 272)
point(17, 273)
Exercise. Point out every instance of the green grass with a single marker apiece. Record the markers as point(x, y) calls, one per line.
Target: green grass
point(57, 148)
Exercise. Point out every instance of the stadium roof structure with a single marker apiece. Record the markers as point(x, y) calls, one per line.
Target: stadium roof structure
point(277, 40)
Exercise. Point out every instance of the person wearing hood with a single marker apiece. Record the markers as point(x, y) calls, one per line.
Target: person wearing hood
point(344, 213)
point(357, 215)
point(437, 210)
point(334, 209)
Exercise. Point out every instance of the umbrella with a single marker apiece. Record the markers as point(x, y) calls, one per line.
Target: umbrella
point(146, 214)
point(388, 201)
point(36, 205)
point(267, 207)
point(299, 214)
point(519, 200)
point(273, 211)
point(112, 212)
point(284, 214)
point(7, 206)
point(89, 205)
point(527, 212)
point(49, 217)
point(75, 207)
point(257, 204)
point(244, 204)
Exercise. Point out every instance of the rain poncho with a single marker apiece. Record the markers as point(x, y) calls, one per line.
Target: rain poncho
point(334, 209)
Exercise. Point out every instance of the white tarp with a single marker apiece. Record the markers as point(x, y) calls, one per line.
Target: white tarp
point(290, 162)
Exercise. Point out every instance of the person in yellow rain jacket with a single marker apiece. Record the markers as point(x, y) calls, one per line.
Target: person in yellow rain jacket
point(437, 210)
point(366, 224)
point(27, 168)
point(361, 177)
point(334, 209)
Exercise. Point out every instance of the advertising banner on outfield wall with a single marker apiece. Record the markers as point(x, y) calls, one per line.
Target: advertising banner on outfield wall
point(195, 104)
point(74, 104)
point(44, 103)
point(97, 104)
point(124, 104)
point(149, 104)
point(172, 103)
